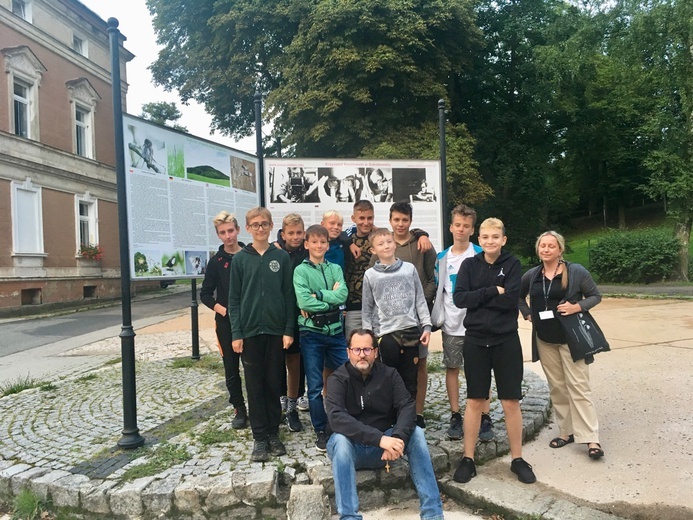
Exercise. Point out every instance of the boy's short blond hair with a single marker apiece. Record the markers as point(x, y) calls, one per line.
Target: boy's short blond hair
point(332, 213)
point(258, 212)
point(293, 219)
point(378, 232)
point(224, 217)
point(494, 223)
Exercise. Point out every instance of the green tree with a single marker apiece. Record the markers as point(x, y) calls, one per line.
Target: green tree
point(335, 75)
point(506, 108)
point(162, 112)
point(661, 38)
point(463, 180)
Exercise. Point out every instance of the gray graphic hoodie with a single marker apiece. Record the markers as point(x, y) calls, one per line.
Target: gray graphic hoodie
point(393, 299)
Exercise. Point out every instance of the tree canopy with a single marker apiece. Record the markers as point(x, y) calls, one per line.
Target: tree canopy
point(164, 113)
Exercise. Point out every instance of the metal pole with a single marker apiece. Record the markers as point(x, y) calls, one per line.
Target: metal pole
point(258, 144)
point(195, 322)
point(131, 434)
point(447, 238)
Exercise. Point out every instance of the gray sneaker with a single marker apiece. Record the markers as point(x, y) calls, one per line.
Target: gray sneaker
point(455, 429)
point(302, 404)
point(486, 433)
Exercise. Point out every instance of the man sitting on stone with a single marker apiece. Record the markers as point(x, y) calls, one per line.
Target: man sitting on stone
point(373, 419)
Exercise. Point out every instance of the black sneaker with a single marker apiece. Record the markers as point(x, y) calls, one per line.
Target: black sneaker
point(486, 433)
point(260, 451)
point(293, 422)
point(465, 471)
point(276, 446)
point(523, 471)
point(321, 441)
point(240, 420)
point(455, 430)
point(420, 421)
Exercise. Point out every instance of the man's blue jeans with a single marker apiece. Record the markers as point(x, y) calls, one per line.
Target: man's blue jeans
point(348, 456)
point(319, 351)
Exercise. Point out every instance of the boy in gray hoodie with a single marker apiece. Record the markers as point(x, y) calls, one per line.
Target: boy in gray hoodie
point(394, 308)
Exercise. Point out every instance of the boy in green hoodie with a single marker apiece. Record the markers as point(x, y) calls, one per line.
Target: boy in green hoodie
point(262, 313)
point(320, 291)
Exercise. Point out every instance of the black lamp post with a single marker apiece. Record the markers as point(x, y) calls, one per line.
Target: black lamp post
point(257, 99)
point(447, 239)
point(131, 434)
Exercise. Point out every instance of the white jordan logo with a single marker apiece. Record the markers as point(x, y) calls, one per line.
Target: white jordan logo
point(501, 272)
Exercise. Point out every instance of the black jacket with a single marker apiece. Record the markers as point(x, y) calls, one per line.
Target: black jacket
point(491, 317)
point(362, 410)
point(217, 280)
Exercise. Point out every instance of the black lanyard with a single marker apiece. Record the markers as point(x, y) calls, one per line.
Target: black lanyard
point(543, 285)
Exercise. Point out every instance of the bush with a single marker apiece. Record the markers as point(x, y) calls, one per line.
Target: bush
point(642, 256)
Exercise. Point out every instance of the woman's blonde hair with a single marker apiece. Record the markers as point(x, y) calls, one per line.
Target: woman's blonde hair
point(561, 246)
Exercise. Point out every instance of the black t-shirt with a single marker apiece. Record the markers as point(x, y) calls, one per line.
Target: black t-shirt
point(551, 330)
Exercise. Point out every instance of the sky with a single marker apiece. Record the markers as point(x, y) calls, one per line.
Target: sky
point(136, 25)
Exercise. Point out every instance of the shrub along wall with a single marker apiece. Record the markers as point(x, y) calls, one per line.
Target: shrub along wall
point(641, 256)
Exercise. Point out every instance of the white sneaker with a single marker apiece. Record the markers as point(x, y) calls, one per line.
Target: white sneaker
point(302, 404)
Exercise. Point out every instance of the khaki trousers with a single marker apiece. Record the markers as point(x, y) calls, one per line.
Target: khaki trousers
point(569, 386)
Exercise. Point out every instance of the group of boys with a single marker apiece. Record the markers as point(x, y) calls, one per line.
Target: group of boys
point(314, 289)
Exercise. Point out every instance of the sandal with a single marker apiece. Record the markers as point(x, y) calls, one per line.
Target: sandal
point(595, 453)
point(559, 442)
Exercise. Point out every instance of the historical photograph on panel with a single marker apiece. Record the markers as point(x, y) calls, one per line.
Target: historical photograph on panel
point(377, 185)
point(412, 185)
point(243, 174)
point(293, 185)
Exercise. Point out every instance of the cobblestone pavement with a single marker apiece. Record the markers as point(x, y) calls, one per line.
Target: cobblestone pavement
point(66, 432)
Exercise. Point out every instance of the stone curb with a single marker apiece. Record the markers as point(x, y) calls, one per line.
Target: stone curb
point(517, 501)
point(257, 491)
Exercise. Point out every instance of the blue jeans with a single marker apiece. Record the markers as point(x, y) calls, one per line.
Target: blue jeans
point(319, 351)
point(348, 456)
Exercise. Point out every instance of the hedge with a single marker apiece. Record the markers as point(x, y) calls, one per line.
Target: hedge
point(642, 256)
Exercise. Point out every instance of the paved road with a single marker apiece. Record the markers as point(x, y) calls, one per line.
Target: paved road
point(26, 334)
point(35, 348)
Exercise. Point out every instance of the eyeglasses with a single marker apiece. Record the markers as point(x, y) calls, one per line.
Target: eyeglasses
point(358, 351)
point(255, 225)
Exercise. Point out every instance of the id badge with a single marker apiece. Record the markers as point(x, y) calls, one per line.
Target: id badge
point(546, 315)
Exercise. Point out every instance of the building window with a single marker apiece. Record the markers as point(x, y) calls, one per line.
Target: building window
point(22, 8)
point(24, 72)
point(86, 219)
point(83, 98)
point(21, 105)
point(83, 132)
point(27, 218)
point(79, 45)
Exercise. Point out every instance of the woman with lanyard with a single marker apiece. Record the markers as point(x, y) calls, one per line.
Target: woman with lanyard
point(559, 287)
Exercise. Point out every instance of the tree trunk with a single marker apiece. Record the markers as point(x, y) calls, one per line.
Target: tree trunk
point(682, 231)
point(621, 215)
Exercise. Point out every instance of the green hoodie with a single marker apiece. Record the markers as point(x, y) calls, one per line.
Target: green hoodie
point(319, 279)
point(261, 295)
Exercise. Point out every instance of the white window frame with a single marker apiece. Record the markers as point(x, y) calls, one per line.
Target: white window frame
point(82, 47)
point(91, 220)
point(26, 9)
point(27, 220)
point(83, 128)
point(23, 67)
point(83, 98)
point(25, 102)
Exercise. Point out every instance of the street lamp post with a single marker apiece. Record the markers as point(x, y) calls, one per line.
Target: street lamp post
point(131, 434)
point(443, 173)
